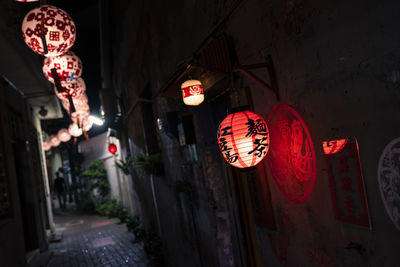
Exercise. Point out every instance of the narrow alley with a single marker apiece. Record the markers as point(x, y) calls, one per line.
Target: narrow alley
point(93, 240)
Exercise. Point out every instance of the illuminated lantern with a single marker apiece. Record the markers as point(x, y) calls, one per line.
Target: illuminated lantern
point(46, 145)
point(86, 124)
point(24, 1)
point(63, 135)
point(333, 146)
point(112, 148)
point(76, 90)
point(68, 66)
point(58, 30)
point(74, 130)
point(54, 141)
point(192, 92)
point(243, 139)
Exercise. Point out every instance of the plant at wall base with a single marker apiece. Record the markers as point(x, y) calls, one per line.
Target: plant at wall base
point(97, 175)
point(113, 208)
point(124, 165)
point(132, 223)
point(149, 164)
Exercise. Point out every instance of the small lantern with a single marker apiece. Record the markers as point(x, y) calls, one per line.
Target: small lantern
point(192, 92)
point(74, 130)
point(56, 26)
point(112, 148)
point(54, 141)
point(243, 139)
point(46, 145)
point(63, 135)
point(68, 67)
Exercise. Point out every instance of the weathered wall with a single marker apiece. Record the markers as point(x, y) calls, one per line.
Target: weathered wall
point(337, 64)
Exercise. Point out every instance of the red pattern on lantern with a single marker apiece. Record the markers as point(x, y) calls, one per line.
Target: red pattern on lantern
point(112, 148)
point(56, 23)
point(292, 158)
point(333, 146)
point(75, 90)
point(192, 90)
point(68, 66)
point(243, 139)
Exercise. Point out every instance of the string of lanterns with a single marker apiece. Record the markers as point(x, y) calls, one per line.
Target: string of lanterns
point(51, 32)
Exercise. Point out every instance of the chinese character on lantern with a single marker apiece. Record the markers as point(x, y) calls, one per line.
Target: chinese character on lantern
point(243, 139)
point(192, 92)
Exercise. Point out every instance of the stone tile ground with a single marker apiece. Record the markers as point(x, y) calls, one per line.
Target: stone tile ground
point(91, 240)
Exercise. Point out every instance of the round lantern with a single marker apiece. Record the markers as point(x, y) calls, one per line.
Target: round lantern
point(58, 29)
point(68, 66)
point(46, 145)
point(54, 141)
point(76, 89)
point(112, 148)
point(81, 104)
point(243, 139)
point(74, 130)
point(86, 124)
point(192, 92)
point(63, 135)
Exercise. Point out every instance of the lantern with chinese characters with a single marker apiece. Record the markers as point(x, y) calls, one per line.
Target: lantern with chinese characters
point(56, 26)
point(63, 135)
point(68, 67)
point(46, 145)
point(74, 130)
point(192, 92)
point(243, 139)
point(54, 141)
point(112, 148)
point(333, 146)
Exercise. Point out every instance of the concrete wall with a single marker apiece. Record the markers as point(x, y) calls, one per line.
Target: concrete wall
point(337, 64)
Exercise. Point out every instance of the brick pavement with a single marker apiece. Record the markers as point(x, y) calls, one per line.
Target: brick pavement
point(91, 240)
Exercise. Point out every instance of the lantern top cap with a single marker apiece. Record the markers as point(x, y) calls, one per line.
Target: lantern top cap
point(190, 83)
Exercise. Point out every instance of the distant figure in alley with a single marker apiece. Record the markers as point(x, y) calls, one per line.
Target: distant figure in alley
point(59, 187)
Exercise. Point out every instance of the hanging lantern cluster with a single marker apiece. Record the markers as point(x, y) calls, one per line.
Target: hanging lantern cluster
point(51, 24)
point(51, 32)
point(243, 139)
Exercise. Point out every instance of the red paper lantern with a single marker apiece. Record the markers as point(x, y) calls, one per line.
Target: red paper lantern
point(57, 26)
point(112, 148)
point(243, 139)
point(24, 1)
point(68, 66)
point(192, 92)
point(333, 146)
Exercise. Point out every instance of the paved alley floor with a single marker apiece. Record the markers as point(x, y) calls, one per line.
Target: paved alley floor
point(91, 240)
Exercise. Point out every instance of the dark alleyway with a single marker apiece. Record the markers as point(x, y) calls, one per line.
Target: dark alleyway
point(91, 240)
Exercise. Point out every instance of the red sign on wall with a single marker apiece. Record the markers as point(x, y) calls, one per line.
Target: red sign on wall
point(346, 182)
point(292, 157)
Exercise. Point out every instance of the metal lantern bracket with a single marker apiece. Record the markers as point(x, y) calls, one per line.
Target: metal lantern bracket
point(273, 88)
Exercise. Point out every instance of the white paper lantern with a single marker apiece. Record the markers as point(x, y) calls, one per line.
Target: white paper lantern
point(75, 90)
point(54, 141)
point(192, 92)
point(46, 145)
point(58, 29)
point(74, 130)
point(87, 124)
point(68, 66)
point(63, 135)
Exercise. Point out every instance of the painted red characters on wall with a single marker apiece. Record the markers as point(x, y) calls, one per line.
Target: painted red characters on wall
point(68, 67)
point(243, 139)
point(292, 156)
point(54, 24)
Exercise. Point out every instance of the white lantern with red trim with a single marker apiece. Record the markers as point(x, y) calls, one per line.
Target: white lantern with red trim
point(243, 139)
point(54, 141)
point(192, 92)
point(63, 135)
point(75, 90)
point(46, 145)
point(68, 66)
point(57, 27)
point(74, 130)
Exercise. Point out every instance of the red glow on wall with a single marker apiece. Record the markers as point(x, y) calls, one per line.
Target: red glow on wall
point(333, 146)
point(292, 156)
point(243, 139)
point(112, 148)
